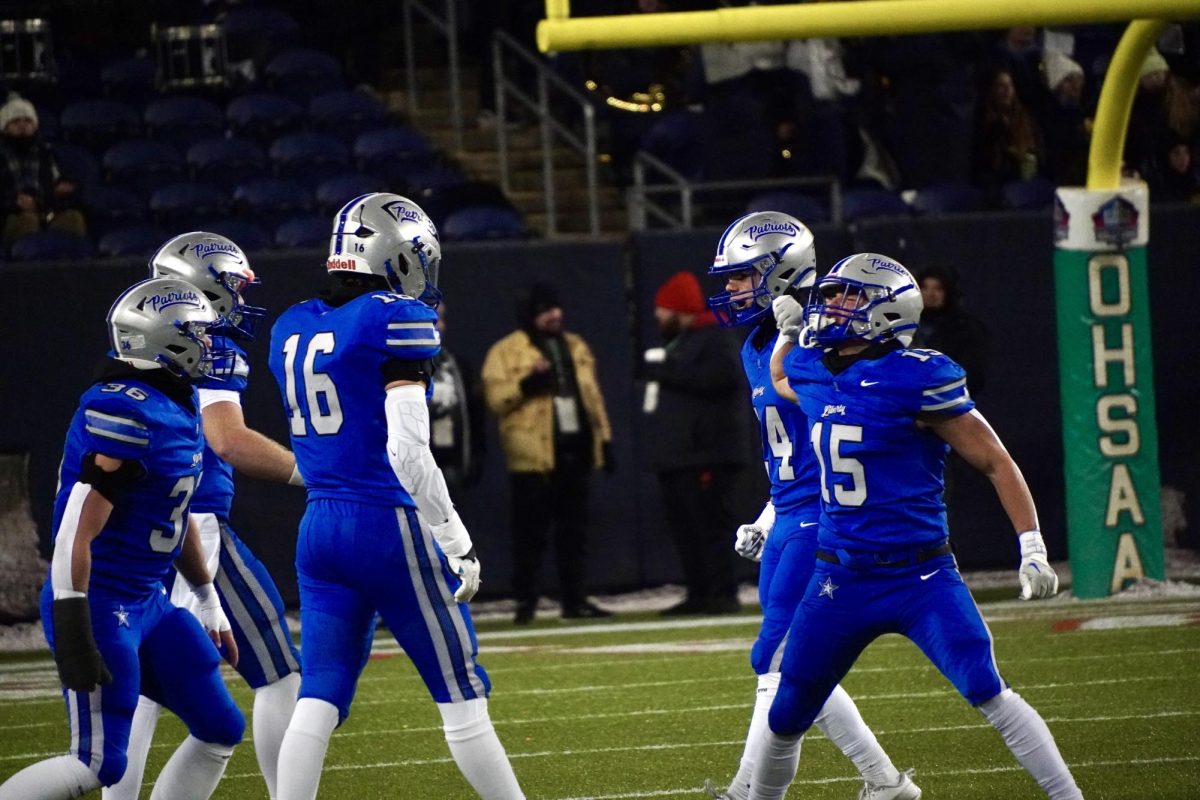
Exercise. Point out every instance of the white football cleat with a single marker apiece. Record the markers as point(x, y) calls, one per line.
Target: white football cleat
point(903, 789)
point(713, 791)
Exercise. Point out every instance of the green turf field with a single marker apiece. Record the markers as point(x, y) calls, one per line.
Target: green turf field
point(640, 708)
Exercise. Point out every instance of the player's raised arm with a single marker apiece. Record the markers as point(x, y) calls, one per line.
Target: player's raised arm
point(191, 567)
point(973, 438)
point(789, 316)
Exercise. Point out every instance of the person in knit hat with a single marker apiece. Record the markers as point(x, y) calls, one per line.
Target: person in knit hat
point(540, 382)
point(1065, 125)
point(698, 428)
point(34, 192)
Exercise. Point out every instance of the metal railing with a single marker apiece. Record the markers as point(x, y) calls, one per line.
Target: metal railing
point(643, 208)
point(503, 47)
point(448, 27)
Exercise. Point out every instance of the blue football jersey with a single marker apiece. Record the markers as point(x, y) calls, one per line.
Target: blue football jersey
point(328, 361)
point(783, 429)
point(882, 477)
point(134, 421)
point(215, 493)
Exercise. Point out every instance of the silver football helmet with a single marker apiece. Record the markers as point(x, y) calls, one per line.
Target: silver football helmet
point(778, 251)
point(867, 297)
point(217, 267)
point(390, 236)
point(164, 323)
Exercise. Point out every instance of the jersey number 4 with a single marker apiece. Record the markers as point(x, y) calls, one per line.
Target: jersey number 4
point(324, 407)
point(838, 469)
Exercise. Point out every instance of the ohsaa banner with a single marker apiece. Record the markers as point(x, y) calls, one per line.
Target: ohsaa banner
point(1110, 439)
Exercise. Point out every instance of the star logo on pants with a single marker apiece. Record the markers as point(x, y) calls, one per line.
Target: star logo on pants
point(827, 588)
point(122, 617)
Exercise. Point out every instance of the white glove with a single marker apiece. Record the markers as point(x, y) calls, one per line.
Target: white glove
point(751, 539)
point(208, 609)
point(467, 569)
point(1038, 578)
point(789, 316)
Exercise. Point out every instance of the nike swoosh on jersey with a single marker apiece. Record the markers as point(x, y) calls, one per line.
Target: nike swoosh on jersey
point(807, 524)
point(930, 575)
point(867, 383)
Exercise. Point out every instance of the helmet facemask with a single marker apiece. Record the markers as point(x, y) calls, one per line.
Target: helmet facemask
point(843, 308)
point(240, 321)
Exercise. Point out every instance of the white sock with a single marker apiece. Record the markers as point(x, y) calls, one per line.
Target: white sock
point(477, 750)
point(776, 766)
point(841, 723)
point(193, 771)
point(302, 753)
point(1026, 734)
point(768, 685)
point(141, 735)
point(58, 778)
point(273, 707)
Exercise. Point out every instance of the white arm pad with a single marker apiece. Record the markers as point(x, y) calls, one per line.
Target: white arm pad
point(408, 453)
point(64, 544)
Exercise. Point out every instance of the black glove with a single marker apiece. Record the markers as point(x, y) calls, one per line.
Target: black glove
point(80, 665)
point(537, 383)
point(607, 459)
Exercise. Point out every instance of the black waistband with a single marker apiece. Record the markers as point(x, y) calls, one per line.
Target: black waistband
point(901, 559)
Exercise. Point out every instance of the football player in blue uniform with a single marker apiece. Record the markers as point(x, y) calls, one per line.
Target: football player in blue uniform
point(881, 420)
point(762, 256)
point(380, 533)
point(131, 462)
point(268, 659)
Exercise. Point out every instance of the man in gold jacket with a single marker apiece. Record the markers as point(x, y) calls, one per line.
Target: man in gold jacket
point(540, 381)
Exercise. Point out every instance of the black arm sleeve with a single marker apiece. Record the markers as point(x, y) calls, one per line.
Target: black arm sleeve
point(398, 369)
point(111, 485)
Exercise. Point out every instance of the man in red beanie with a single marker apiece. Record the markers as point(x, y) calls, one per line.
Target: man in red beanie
point(694, 393)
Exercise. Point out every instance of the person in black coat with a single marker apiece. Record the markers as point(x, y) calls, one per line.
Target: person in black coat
point(695, 395)
point(946, 326)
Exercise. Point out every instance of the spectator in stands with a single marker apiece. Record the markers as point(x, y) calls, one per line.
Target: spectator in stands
point(696, 396)
point(827, 139)
point(1165, 110)
point(456, 435)
point(1063, 119)
point(1008, 143)
point(946, 326)
point(1019, 53)
point(1178, 180)
point(540, 381)
point(35, 195)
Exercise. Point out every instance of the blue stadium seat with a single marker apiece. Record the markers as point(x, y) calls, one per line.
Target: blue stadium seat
point(307, 231)
point(96, 124)
point(226, 162)
point(807, 209)
point(183, 120)
point(948, 198)
point(180, 203)
point(50, 246)
point(439, 201)
point(136, 240)
point(309, 157)
point(1036, 193)
point(111, 207)
point(248, 235)
point(301, 73)
point(392, 152)
point(77, 164)
point(271, 200)
point(48, 128)
point(435, 177)
point(264, 115)
point(130, 79)
point(142, 163)
point(478, 223)
point(867, 203)
point(334, 193)
point(347, 114)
